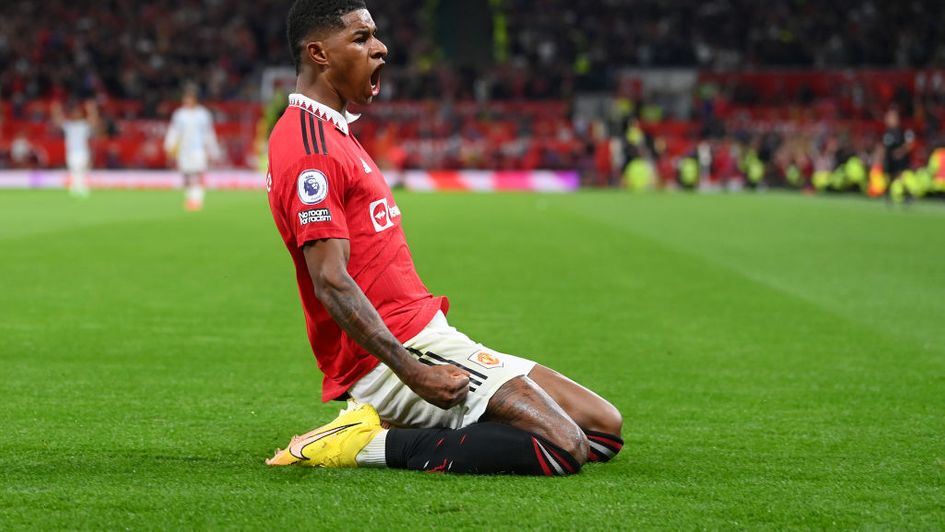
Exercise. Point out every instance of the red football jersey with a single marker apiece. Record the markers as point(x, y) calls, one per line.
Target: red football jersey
point(322, 184)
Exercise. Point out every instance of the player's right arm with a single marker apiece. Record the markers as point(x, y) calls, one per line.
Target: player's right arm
point(327, 261)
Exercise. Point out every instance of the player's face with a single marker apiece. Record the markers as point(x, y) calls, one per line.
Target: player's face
point(356, 57)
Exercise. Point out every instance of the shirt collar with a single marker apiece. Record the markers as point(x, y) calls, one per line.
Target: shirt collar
point(323, 112)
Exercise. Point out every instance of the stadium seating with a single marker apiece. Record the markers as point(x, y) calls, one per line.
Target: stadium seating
point(517, 113)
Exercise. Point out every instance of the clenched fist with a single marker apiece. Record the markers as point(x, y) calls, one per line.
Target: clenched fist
point(444, 386)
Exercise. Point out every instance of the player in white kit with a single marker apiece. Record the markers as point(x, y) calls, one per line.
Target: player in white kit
point(78, 130)
point(192, 140)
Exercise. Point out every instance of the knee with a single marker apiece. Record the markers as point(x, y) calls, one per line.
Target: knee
point(602, 417)
point(567, 436)
point(605, 436)
point(608, 420)
point(573, 441)
point(579, 447)
point(523, 404)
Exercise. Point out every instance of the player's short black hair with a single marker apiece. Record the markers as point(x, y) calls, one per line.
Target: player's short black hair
point(307, 16)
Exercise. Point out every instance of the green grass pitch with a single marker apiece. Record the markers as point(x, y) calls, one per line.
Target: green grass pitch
point(779, 361)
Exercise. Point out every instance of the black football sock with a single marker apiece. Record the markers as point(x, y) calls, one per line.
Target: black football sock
point(480, 448)
point(603, 446)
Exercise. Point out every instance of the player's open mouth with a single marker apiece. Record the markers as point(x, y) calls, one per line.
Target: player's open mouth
point(376, 80)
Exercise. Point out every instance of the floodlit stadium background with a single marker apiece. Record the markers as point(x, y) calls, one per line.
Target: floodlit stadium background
point(505, 93)
point(773, 341)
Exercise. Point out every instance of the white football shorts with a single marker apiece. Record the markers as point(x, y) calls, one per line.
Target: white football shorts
point(439, 343)
point(78, 161)
point(192, 162)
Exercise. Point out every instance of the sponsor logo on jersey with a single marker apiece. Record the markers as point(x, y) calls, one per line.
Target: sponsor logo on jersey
point(382, 216)
point(314, 216)
point(313, 187)
point(367, 169)
point(486, 360)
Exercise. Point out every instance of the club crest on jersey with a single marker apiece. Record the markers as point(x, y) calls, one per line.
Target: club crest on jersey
point(486, 360)
point(382, 216)
point(313, 187)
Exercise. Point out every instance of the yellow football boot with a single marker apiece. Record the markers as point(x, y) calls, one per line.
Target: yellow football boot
point(336, 444)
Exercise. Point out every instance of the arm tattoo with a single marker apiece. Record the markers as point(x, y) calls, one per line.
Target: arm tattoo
point(355, 314)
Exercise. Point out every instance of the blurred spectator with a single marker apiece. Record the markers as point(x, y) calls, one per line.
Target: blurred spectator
point(897, 144)
point(516, 109)
point(78, 127)
point(192, 141)
point(547, 49)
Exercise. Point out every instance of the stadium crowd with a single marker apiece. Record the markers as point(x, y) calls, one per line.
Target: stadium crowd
point(549, 48)
point(132, 57)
